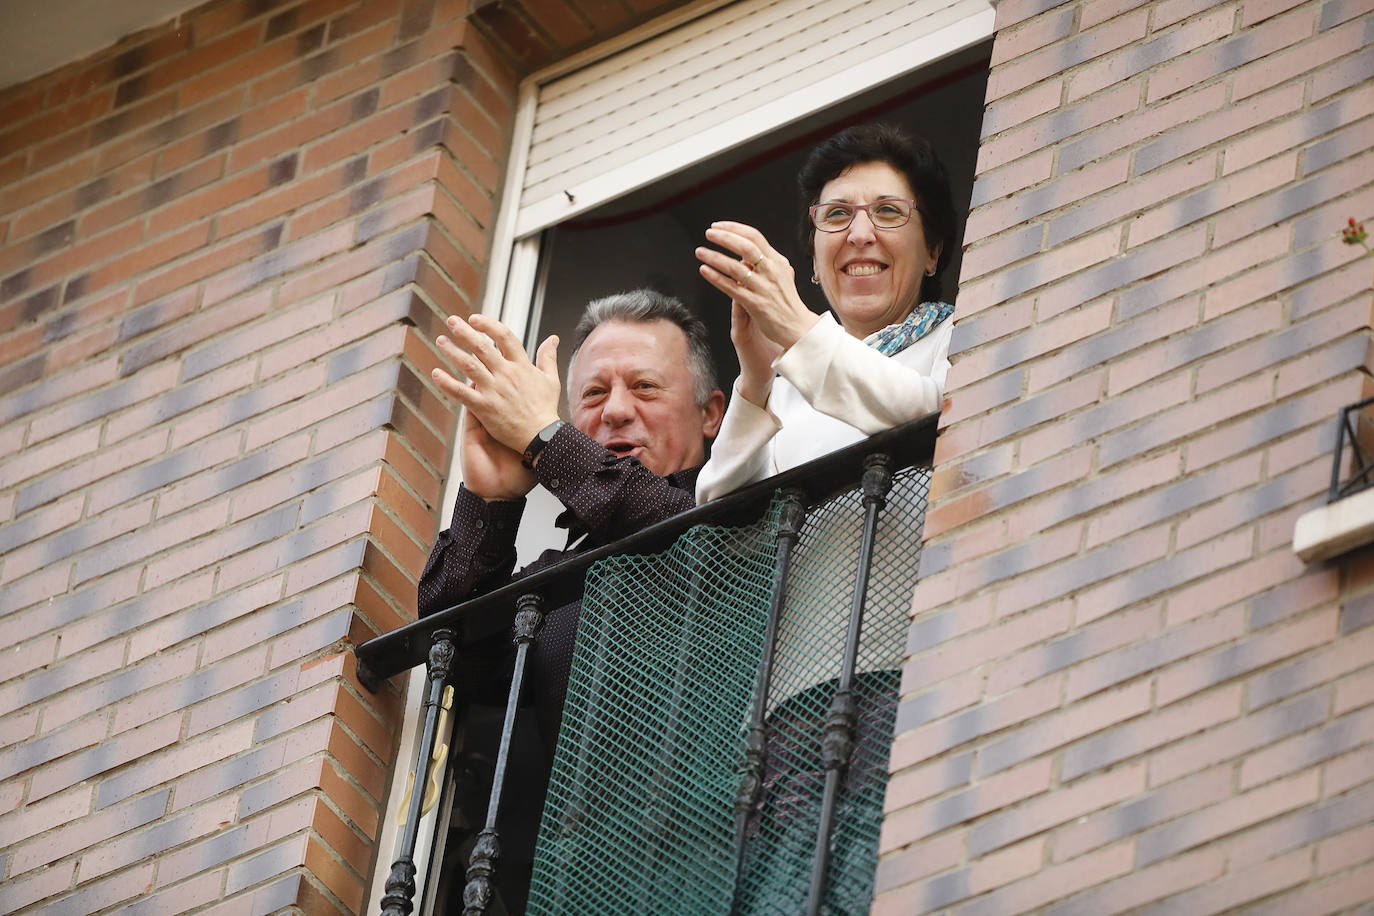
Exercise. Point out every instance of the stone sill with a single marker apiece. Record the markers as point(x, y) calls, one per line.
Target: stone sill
point(1336, 528)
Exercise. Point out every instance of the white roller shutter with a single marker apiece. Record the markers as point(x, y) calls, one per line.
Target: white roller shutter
point(716, 82)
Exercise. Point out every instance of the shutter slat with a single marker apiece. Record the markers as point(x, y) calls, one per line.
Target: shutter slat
point(730, 76)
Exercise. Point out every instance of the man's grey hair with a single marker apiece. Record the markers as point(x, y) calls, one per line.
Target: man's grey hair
point(644, 305)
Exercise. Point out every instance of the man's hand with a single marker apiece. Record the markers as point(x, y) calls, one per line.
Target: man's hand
point(512, 397)
point(491, 470)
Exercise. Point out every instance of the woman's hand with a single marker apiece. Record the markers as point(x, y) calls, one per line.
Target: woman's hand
point(759, 280)
point(756, 354)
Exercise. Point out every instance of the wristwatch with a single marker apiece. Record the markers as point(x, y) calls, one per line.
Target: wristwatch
point(540, 440)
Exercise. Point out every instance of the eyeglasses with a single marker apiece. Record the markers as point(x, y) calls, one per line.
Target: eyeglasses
point(885, 213)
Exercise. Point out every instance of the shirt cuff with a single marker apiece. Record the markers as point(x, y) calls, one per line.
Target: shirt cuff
point(814, 348)
point(491, 526)
point(569, 459)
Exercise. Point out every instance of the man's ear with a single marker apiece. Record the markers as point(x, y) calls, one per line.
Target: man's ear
point(713, 413)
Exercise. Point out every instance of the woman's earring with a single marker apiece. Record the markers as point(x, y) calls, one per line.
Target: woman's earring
point(815, 279)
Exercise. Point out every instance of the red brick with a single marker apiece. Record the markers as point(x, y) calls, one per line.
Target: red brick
point(1355, 692)
point(345, 885)
point(1297, 131)
point(1130, 62)
point(335, 561)
point(1130, 892)
point(1275, 68)
point(16, 196)
point(1057, 729)
point(384, 613)
point(1287, 492)
point(1299, 338)
point(1352, 70)
point(95, 533)
point(1054, 883)
point(276, 130)
point(1277, 643)
point(1249, 44)
point(1175, 499)
point(1095, 423)
point(133, 679)
point(1074, 574)
point(91, 829)
point(1239, 887)
point(19, 892)
point(1344, 891)
point(1304, 752)
point(211, 681)
point(911, 824)
point(1342, 852)
point(1187, 139)
point(1241, 811)
point(388, 576)
point(1076, 646)
point(232, 843)
point(36, 459)
point(244, 405)
point(1346, 282)
point(980, 876)
point(1066, 260)
point(1266, 425)
point(326, 634)
point(1067, 804)
point(52, 812)
point(1031, 36)
point(361, 765)
point(1084, 46)
point(1138, 738)
point(1108, 346)
point(1198, 107)
point(912, 864)
point(973, 643)
point(1146, 810)
point(1013, 177)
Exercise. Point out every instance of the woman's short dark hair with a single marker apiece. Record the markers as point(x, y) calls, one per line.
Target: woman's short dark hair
point(913, 156)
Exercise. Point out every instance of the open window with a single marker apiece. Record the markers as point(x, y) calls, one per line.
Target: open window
point(602, 197)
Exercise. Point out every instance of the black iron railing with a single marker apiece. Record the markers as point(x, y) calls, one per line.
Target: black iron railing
point(440, 640)
point(1353, 429)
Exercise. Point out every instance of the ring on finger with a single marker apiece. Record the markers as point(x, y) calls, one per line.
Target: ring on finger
point(744, 281)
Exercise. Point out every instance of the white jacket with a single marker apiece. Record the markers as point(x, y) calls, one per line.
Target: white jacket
point(832, 391)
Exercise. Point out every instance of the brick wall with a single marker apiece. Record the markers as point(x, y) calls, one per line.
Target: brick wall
point(225, 249)
point(1124, 688)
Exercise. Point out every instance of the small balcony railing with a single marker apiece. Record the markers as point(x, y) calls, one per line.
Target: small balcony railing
point(731, 706)
point(1354, 434)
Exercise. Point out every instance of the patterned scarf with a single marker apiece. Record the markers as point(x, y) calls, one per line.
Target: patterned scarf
point(897, 337)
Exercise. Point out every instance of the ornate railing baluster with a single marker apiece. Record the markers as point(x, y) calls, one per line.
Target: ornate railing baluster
point(790, 518)
point(838, 741)
point(481, 871)
point(399, 899)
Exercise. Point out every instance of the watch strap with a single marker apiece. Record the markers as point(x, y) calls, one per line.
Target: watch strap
point(541, 439)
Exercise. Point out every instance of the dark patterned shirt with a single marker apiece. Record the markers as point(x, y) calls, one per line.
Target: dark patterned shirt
point(607, 497)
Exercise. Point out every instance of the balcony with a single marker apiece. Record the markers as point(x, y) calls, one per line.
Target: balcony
point(729, 713)
point(1346, 522)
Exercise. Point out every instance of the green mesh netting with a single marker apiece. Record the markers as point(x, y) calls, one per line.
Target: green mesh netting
point(640, 812)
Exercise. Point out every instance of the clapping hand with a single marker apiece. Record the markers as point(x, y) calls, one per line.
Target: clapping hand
point(767, 315)
point(507, 399)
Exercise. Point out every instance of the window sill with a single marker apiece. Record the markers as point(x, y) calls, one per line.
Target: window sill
point(1336, 528)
